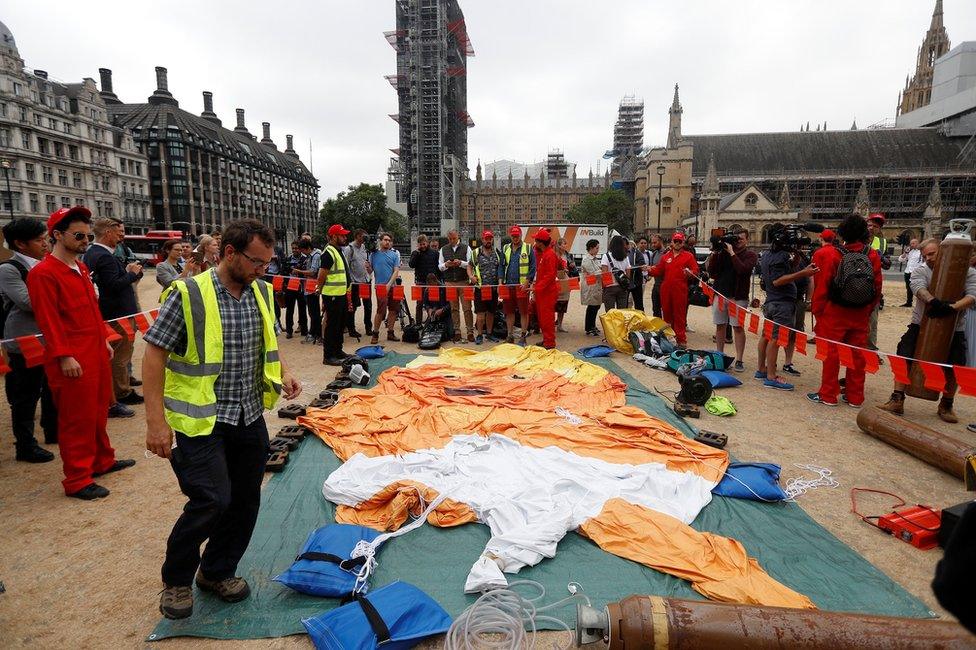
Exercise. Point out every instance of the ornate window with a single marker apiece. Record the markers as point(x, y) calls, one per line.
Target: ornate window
point(751, 200)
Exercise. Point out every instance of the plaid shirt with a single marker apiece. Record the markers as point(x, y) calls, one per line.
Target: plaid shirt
point(239, 383)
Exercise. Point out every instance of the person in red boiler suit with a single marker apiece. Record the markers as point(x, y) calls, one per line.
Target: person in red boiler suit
point(838, 323)
point(546, 290)
point(676, 266)
point(77, 354)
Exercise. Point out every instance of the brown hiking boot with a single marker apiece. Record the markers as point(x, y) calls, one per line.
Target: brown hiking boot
point(390, 336)
point(896, 405)
point(374, 339)
point(945, 412)
point(470, 337)
point(176, 602)
point(229, 590)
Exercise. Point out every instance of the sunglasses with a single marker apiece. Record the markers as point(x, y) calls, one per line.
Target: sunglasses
point(79, 236)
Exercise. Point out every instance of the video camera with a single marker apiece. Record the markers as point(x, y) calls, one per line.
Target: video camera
point(720, 237)
point(790, 237)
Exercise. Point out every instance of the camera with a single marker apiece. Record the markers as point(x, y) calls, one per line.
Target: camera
point(720, 237)
point(791, 237)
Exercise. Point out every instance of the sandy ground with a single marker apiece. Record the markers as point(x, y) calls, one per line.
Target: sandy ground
point(86, 574)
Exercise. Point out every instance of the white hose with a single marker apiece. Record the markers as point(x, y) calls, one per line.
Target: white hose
point(503, 618)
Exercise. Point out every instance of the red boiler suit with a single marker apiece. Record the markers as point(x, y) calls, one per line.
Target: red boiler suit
point(67, 314)
point(546, 294)
point(674, 289)
point(844, 324)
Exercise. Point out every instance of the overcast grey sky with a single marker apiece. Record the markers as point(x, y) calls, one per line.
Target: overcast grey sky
point(546, 73)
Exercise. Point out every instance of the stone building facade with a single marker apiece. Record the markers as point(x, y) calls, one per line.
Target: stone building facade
point(496, 204)
point(202, 175)
point(918, 88)
point(61, 149)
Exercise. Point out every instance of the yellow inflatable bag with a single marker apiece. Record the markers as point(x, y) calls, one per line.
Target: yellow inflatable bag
point(619, 323)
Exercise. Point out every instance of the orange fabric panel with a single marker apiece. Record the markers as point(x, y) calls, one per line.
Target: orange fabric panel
point(419, 408)
point(718, 567)
point(388, 509)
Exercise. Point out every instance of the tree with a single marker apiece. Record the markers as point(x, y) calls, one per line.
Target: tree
point(362, 206)
point(611, 207)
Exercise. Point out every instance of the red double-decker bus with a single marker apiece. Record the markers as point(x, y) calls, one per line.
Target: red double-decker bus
point(148, 247)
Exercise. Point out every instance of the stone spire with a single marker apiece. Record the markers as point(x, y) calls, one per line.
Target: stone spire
point(935, 195)
point(918, 89)
point(862, 201)
point(854, 125)
point(711, 178)
point(674, 120)
point(932, 217)
point(710, 197)
point(477, 172)
point(784, 198)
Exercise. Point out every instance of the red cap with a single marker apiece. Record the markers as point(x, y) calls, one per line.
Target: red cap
point(679, 236)
point(337, 229)
point(543, 235)
point(828, 234)
point(487, 234)
point(877, 216)
point(515, 231)
point(59, 215)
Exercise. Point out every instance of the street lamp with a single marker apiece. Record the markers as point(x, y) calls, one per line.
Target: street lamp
point(660, 182)
point(6, 174)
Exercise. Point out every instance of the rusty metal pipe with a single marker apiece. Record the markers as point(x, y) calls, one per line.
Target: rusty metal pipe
point(939, 450)
point(652, 622)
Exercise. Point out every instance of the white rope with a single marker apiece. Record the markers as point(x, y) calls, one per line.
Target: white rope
point(503, 618)
point(797, 486)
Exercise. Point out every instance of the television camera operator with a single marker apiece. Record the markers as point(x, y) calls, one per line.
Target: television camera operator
point(730, 265)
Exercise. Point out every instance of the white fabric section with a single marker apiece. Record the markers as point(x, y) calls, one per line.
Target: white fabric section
point(528, 497)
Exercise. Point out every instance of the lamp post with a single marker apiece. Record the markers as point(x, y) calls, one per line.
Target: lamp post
point(660, 182)
point(6, 174)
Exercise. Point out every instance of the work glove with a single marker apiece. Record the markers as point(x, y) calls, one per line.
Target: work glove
point(939, 309)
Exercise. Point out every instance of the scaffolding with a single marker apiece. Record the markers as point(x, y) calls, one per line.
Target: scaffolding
point(432, 47)
point(556, 165)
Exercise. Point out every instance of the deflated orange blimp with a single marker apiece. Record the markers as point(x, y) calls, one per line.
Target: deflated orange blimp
point(534, 444)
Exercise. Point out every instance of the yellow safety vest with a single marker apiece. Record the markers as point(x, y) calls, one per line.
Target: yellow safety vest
point(189, 400)
point(335, 281)
point(879, 244)
point(523, 261)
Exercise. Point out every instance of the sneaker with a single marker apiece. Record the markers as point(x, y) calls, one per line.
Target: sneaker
point(690, 329)
point(308, 339)
point(35, 454)
point(117, 466)
point(120, 410)
point(132, 398)
point(521, 340)
point(229, 590)
point(176, 602)
point(845, 400)
point(492, 338)
point(777, 383)
point(478, 340)
point(815, 398)
point(510, 339)
point(738, 367)
point(760, 375)
point(971, 428)
point(790, 370)
point(90, 492)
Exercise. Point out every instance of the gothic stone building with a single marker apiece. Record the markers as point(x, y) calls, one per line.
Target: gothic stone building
point(202, 175)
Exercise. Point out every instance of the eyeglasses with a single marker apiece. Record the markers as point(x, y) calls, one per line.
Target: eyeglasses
point(79, 236)
point(256, 262)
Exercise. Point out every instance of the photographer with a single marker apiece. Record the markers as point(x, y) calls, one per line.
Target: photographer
point(779, 281)
point(730, 265)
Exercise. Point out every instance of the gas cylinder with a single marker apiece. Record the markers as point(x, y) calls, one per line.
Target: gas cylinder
point(948, 284)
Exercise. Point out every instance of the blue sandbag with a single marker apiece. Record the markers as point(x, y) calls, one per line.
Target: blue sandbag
point(371, 352)
point(762, 480)
point(322, 577)
point(408, 613)
point(719, 379)
point(594, 351)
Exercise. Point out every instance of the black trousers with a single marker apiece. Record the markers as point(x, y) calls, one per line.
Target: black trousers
point(314, 314)
point(24, 387)
point(638, 294)
point(656, 299)
point(910, 299)
point(591, 312)
point(293, 299)
point(367, 304)
point(221, 475)
point(335, 310)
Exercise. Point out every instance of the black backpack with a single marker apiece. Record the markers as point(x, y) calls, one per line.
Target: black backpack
point(3, 301)
point(853, 283)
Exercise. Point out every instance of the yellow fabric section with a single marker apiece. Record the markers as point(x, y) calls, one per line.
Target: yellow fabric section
point(526, 362)
point(388, 509)
point(618, 323)
point(718, 567)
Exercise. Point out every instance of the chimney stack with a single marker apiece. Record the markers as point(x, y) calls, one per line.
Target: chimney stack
point(162, 95)
point(208, 112)
point(266, 134)
point(290, 149)
point(240, 128)
point(107, 94)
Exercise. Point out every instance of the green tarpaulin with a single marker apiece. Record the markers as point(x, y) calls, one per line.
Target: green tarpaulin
point(788, 544)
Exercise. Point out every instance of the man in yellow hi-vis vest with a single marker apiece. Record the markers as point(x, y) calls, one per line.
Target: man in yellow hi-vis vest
point(334, 285)
point(210, 369)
